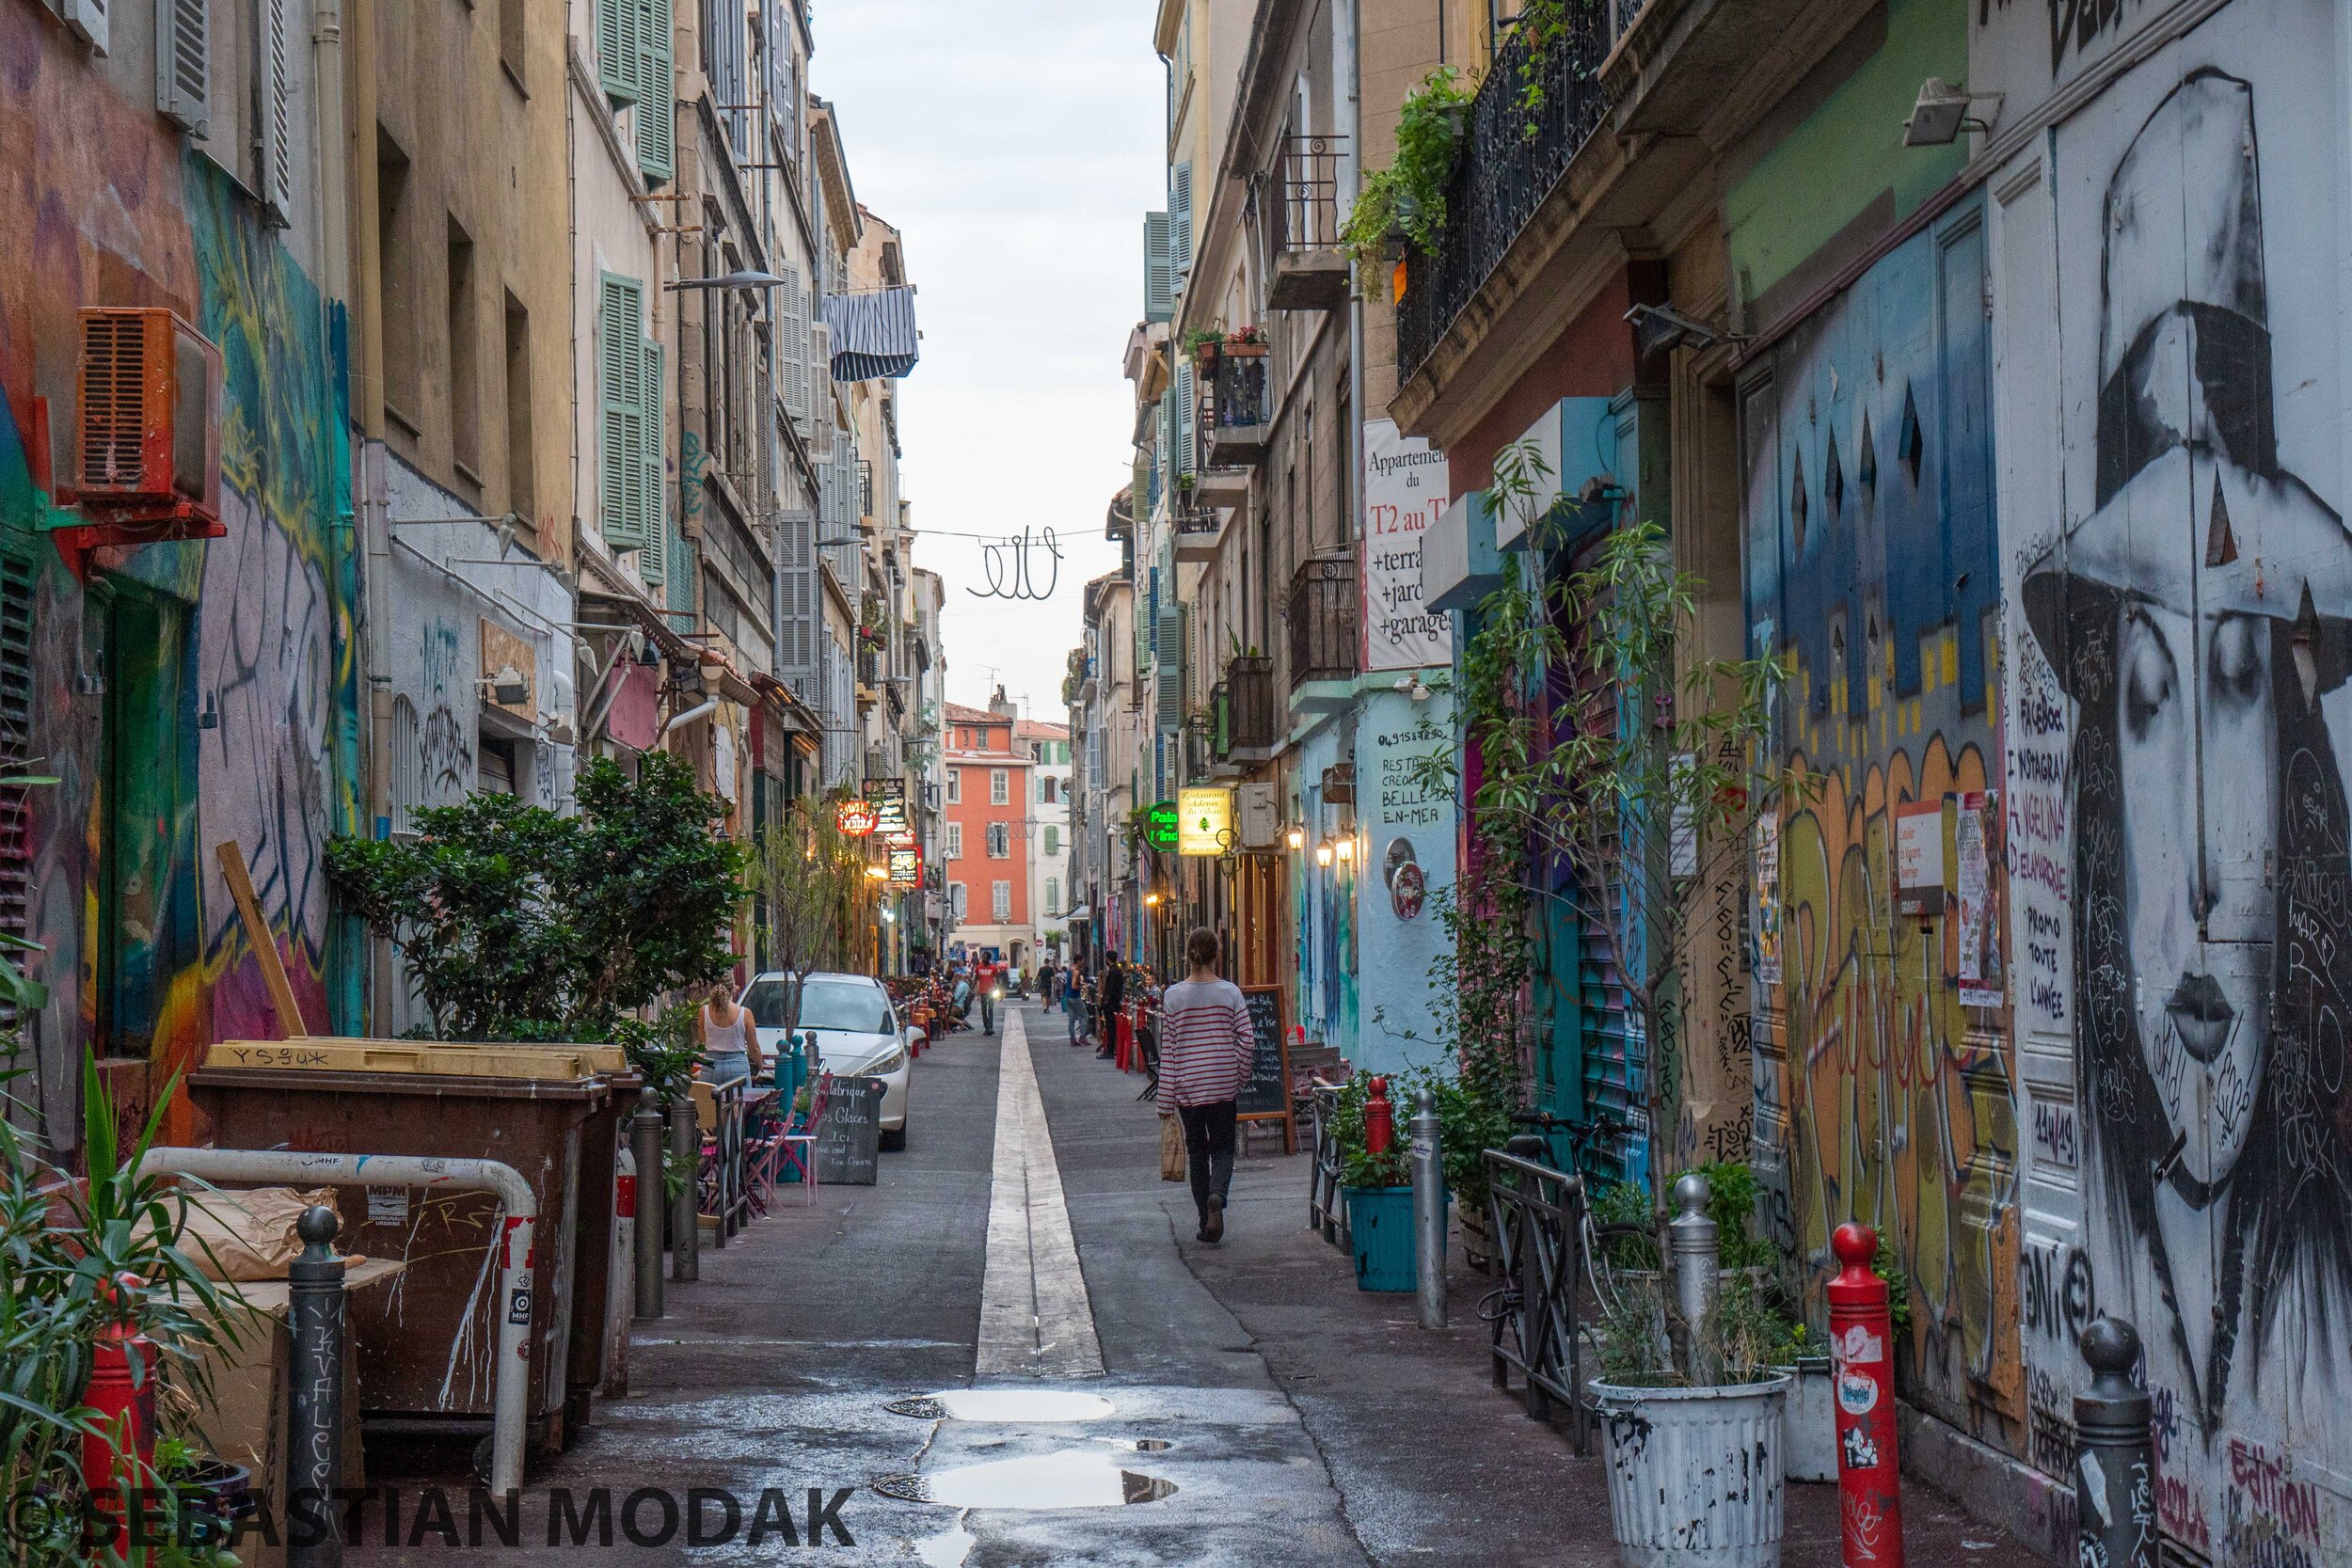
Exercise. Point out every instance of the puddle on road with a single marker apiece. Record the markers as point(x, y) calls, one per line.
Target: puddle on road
point(948, 1549)
point(1004, 1404)
point(1073, 1478)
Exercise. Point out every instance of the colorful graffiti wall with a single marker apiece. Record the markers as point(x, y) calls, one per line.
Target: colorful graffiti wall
point(2178, 732)
point(185, 695)
point(1881, 1076)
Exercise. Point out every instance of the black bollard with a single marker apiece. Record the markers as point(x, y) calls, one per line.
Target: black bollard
point(685, 1231)
point(2115, 1453)
point(644, 1143)
point(315, 1423)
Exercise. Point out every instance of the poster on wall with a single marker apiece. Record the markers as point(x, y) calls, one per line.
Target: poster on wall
point(1980, 977)
point(1919, 858)
point(1767, 899)
point(1404, 491)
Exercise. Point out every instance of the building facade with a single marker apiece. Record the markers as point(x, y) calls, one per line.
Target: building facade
point(987, 850)
point(1047, 830)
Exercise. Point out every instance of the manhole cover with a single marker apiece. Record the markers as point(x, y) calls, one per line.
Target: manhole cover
point(908, 1489)
point(924, 1409)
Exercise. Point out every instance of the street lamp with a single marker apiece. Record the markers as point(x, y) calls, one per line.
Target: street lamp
point(1323, 854)
point(1297, 837)
point(1345, 848)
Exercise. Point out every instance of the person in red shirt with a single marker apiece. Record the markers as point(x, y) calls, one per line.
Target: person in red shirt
point(986, 978)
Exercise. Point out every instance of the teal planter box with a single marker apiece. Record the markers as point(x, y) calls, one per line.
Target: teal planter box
point(1381, 1223)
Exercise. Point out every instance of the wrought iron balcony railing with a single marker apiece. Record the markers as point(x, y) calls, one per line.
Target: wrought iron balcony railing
point(1325, 618)
point(1238, 413)
point(1511, 158)
point(1251, 720)
point(1307, 216)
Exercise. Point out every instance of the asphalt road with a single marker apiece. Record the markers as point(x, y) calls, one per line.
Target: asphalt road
point(1251, 1407)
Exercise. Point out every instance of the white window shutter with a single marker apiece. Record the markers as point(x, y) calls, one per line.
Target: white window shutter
point(88, 19)
point(274, 67)
point(184, 63)
point(820, 390)
point(792, 345)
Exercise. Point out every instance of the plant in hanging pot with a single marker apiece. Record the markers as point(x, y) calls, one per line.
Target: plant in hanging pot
point(1690, 1397)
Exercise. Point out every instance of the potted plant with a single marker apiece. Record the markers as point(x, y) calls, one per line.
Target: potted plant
point(1249, 343)
point(1694, 1415)
point(1201, 344)
point(1378, 1189)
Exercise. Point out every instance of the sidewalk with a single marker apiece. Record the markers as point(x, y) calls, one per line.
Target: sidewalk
point(1432, 1462)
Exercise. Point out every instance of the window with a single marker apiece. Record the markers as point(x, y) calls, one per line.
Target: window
point(955, 785)
point(955, 841)
point(1000, 900)
point(956, 899)
point(511, 37)
point(522, 470)
point(1052, 897)
point(1053, 839)
point(1048, 790)
point(1000, 841)
point(999, 786)
point(465, 371)
point(397, 267)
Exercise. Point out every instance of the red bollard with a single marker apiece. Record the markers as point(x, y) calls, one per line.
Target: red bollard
point(1861, 1348)
point(117, 1457)
point(1379, 1118)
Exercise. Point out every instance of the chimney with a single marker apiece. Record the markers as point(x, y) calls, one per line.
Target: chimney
point(1001, 705)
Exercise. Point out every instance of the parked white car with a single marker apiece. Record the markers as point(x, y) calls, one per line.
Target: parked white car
point(851, 1029)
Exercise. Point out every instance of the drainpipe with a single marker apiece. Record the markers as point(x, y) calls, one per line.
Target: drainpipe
point(365, 336)
point(676, 720)
point(415, 1170)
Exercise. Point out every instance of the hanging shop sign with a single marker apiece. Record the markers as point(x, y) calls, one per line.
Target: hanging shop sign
point(1159, 825)
point(888, 796)
point(854, 817)
point(1205, 821)
point(906, 867)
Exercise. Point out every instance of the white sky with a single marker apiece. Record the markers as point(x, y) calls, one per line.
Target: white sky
point(1017, 143)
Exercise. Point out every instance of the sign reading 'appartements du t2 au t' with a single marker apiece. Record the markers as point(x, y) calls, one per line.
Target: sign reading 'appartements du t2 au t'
point(1404, 491)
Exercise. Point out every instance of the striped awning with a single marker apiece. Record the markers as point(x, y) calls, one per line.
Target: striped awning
point(873, 334)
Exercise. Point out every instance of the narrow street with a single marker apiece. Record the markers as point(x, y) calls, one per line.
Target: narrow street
point(1303, 1422)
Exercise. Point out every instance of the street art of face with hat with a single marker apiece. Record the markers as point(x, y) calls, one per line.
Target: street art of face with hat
point(2195, 619)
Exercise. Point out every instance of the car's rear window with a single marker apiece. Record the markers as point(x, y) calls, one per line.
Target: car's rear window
point(770, 1003)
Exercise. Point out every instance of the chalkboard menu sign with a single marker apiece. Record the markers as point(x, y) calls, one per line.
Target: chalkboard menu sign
point(849, 1134)
point(1266, 1097)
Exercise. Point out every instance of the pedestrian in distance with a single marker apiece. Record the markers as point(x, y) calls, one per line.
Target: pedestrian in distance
point(990, 982)
point(727, 1045)
point(1108, 997)
point(1206, 1045)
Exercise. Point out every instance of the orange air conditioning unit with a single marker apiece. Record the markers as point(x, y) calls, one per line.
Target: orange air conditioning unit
point(145, 433)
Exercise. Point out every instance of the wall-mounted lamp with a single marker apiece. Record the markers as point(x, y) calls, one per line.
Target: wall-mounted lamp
point(508, 687)
point(1323, 854)
point(1151, 900)
point(1659, 327)
point(1344, 849)
point(876, 873)
point(1296, 838)
point(649, 655)
point(1598, 488)
point(1944, 111)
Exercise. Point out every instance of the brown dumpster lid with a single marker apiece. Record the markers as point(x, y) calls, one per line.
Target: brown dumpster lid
point(331, 1053)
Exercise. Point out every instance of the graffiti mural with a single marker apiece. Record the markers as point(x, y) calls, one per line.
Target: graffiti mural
point(1881, 1069)
point(2184, 630)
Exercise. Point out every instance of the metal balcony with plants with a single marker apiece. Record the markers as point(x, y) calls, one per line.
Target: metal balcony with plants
point(1539, 103)
point(1247, 719)
point(1326, 621)
point(1236, 414)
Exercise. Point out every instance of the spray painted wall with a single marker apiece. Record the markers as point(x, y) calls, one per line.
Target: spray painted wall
point(235, 712)
point(1881, 1075)
point(1406, 831)
point(2181, 586)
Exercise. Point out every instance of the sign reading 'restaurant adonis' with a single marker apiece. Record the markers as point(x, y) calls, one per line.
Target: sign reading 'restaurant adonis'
point(1404, 491)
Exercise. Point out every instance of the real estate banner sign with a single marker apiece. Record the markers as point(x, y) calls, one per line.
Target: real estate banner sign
point(1404, 491)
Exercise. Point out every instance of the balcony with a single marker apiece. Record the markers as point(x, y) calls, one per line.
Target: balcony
point(1247, 726)
point(1507, 165)
point(1236, 413)
point(1310, 269)
point(1197, 527)
point(1326, 625)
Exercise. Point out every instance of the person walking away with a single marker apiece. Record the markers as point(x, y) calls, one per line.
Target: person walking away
point(729, 1045)
point(1205, 1051)
point(1108, 995)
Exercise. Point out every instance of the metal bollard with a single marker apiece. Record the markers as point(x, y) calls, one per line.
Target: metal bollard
point(118, 1446)
point(1861, 1348)
point(1380, 1118)
point(315, 1412)
point(2115, 1449)
point(1428, 1211)
point(1698, 1272)
point(686, 1230)
point(644, 1144)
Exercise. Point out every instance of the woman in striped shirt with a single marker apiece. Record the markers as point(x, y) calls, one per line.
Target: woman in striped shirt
point(1205, 1051)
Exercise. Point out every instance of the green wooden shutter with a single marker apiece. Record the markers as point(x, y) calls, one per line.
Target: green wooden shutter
point(1159, 279)
point(620, 412)
point(618, 50)
point(652, 482)
point(1169, 661)
point(1181, 431)
point(657, 109)
point(1179, 226)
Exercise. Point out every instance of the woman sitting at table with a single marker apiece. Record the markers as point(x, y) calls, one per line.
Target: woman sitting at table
point(729, 1045)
